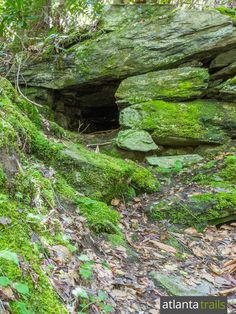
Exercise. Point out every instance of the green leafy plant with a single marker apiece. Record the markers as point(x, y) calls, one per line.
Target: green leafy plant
point(21, 288)
point(86, 300)
point(5, 281)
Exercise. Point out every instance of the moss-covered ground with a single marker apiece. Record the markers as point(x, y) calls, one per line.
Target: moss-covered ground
point(43, 169)
point(207, 197)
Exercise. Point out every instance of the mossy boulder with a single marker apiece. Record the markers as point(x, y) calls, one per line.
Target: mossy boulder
point(136, 140)
point(197, 210)
point(173, 85)
point(227, 89)
point(183, 123)
point(147, 43)
point(104, 177)
point(212, 201)
point(170, 161)
point(218, 174)
point(117, 16)
point(223, 59)
point(176, 284)
point(95, 175)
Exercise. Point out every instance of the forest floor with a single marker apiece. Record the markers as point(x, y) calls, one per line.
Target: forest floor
point(152, 260)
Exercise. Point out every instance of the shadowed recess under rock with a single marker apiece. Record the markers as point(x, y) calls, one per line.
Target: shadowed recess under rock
point(87, 109)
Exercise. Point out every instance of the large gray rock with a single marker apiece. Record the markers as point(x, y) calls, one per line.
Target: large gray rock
point(180, 124)
point(175, 84)
point(225, 64)
point(118, 16)
point(176, 285)
point(136, 140)
point(227, 89)
point(162, 40)
point(170, 161)
point(224, 59)
point(225, 72)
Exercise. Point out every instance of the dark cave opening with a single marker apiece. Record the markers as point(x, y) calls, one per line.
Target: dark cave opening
point(87, 109)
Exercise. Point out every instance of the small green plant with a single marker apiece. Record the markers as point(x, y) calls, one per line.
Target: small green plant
point(86, 300)
point(21, 288)
point(86, 266)
point(4, 281)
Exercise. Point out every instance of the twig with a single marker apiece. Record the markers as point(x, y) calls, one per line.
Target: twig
point(18, 86)
point(99, 144)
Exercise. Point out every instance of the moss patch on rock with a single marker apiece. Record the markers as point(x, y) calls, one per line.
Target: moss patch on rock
point(212, 201)
point(180, 124)
point(199, 210)
point(227, 89)
point(171, 85)
point(136, 140)
point(96, 175)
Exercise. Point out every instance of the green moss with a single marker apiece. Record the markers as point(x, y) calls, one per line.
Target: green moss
point(65, 191)
point(104, 177)
point(3, 179)
point(189, 123)
point(117, 240)
point(31, 186)
point(228, 172)
point(57, 130)
point(17, 238)
point(100, 217)
point(218, 173)
point(199, 210)
point(229, 12)
point(172, 85)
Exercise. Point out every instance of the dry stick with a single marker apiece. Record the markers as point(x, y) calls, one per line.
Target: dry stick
point(99, 144)
point(18, 86)
point(18, 71)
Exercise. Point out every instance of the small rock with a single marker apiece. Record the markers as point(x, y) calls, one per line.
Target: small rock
point(136, 140)
point(170, 161)
point(5, 221)
point(60, 254)
point(176, 285)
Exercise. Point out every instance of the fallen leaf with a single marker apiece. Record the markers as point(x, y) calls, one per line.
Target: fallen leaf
point(163, 246)
point(192, 231)
point(120, 294)
point(215, 269)
point(115, 202)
